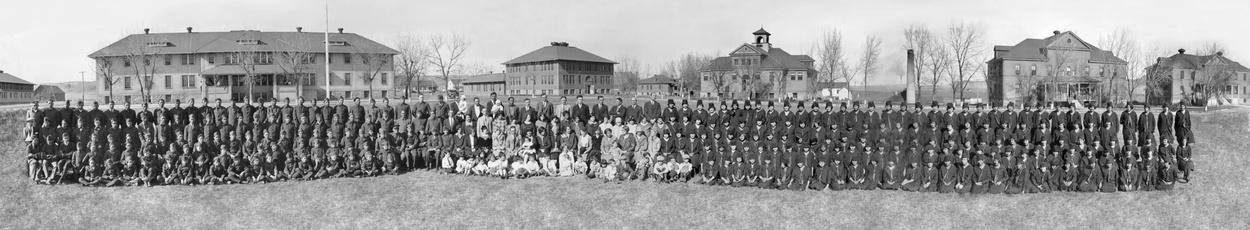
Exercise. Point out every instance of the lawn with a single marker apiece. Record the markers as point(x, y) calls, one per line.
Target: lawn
point(1215, 199)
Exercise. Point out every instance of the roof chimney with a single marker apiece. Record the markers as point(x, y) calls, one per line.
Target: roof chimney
point(1056, 32)
point(188, 29)
point(340, 30)
point(145, 30)
point(1182, 51)
point(1220, 53)
point(555, 43)
point(299, 29)
point(1, 71)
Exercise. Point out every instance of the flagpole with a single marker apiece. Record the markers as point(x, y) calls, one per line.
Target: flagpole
point(326, 43)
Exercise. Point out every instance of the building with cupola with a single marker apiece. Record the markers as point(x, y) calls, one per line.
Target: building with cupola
point(758, 70)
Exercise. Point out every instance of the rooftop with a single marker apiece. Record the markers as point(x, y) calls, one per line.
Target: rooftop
point(9, 78)
point(1033, 49)
point(559, 52)
point(240, 40)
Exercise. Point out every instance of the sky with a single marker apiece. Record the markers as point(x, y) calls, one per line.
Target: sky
point(48, 41)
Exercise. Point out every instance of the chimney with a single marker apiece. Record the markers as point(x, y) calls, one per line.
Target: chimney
point(340, 30)
point(1, 71)
point(1219, 53)
point(1056, 32)
point(145, 30)
point(912, 85)
point(555, 43)
point(299, 29)
point(188, 29)
point(1182, 51)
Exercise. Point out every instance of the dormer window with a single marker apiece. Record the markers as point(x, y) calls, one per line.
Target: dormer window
point(338, 43)
point(158, 44)
point(248, 41)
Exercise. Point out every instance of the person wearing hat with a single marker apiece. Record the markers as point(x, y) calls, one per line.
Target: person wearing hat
point(1183, 127)
point(1128, 125)
point(1146, 126)
point(1166, 123)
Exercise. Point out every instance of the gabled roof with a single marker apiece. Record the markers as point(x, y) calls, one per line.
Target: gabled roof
point(658, 79)
point(219, 42)
point(9, 78)
point(484, 78)
point(48, 89)
point(1190, 61)
point(559, 53)
point(1033, 49)
point(774, 58)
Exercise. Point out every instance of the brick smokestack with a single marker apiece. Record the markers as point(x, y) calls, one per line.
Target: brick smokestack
point(912, 81)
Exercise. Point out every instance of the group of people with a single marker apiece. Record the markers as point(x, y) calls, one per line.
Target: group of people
point(795, 145)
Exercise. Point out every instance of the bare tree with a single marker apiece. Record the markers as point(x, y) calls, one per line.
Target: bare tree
point(446, 54)
point(628, 69)
point(918, 39)
point(1058, 67)
point(373, 65)
point(294, 61)
point(1156, 79)
point(412, 62)
point(1211, 48)
point(965, 42)
point(939, 59)
point(247, 57)
point(105, 72)
point(143, 53)
point(1124, 45)
point(868, 60)
point(830, 57)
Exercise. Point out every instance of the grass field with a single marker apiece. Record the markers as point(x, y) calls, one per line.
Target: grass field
point(1217, 198)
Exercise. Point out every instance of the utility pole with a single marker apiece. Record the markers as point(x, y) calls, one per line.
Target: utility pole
point(82, 85)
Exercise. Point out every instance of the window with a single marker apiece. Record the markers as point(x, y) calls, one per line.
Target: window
point(383, 93)
point(188, 81)
point(126, 83)
point(168, 84)
point(211, 60)
point(347, 94)
point(125, 62)
point(338, 43)
point(366, 94)
point(1017, 69)
point(347, 79)
point(347, 59)
point(1087, 71)
point(127, 98)
point(1067, 71)
point(168, 59)
point(188, 59)
point(384, 82)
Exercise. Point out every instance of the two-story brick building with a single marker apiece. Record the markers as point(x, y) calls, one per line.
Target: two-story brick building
point(759, 71)
point(558, 69)
point(14, 90)
point(1188, 77)
point(243, 63)
point(658, 85)
point(1059, 68)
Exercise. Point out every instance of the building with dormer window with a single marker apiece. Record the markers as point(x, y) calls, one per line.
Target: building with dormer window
point(1059, 68)
point(758, 70)
point(1197, 79)
point(233, 65)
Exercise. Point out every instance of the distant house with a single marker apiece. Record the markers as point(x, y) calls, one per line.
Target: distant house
point(482, 85)
point(1198, 79)
point(14, 90)
point(837, 91)
point(49, 92)
point(658, 85)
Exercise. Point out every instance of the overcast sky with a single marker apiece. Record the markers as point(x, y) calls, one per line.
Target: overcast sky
point(48, 41)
